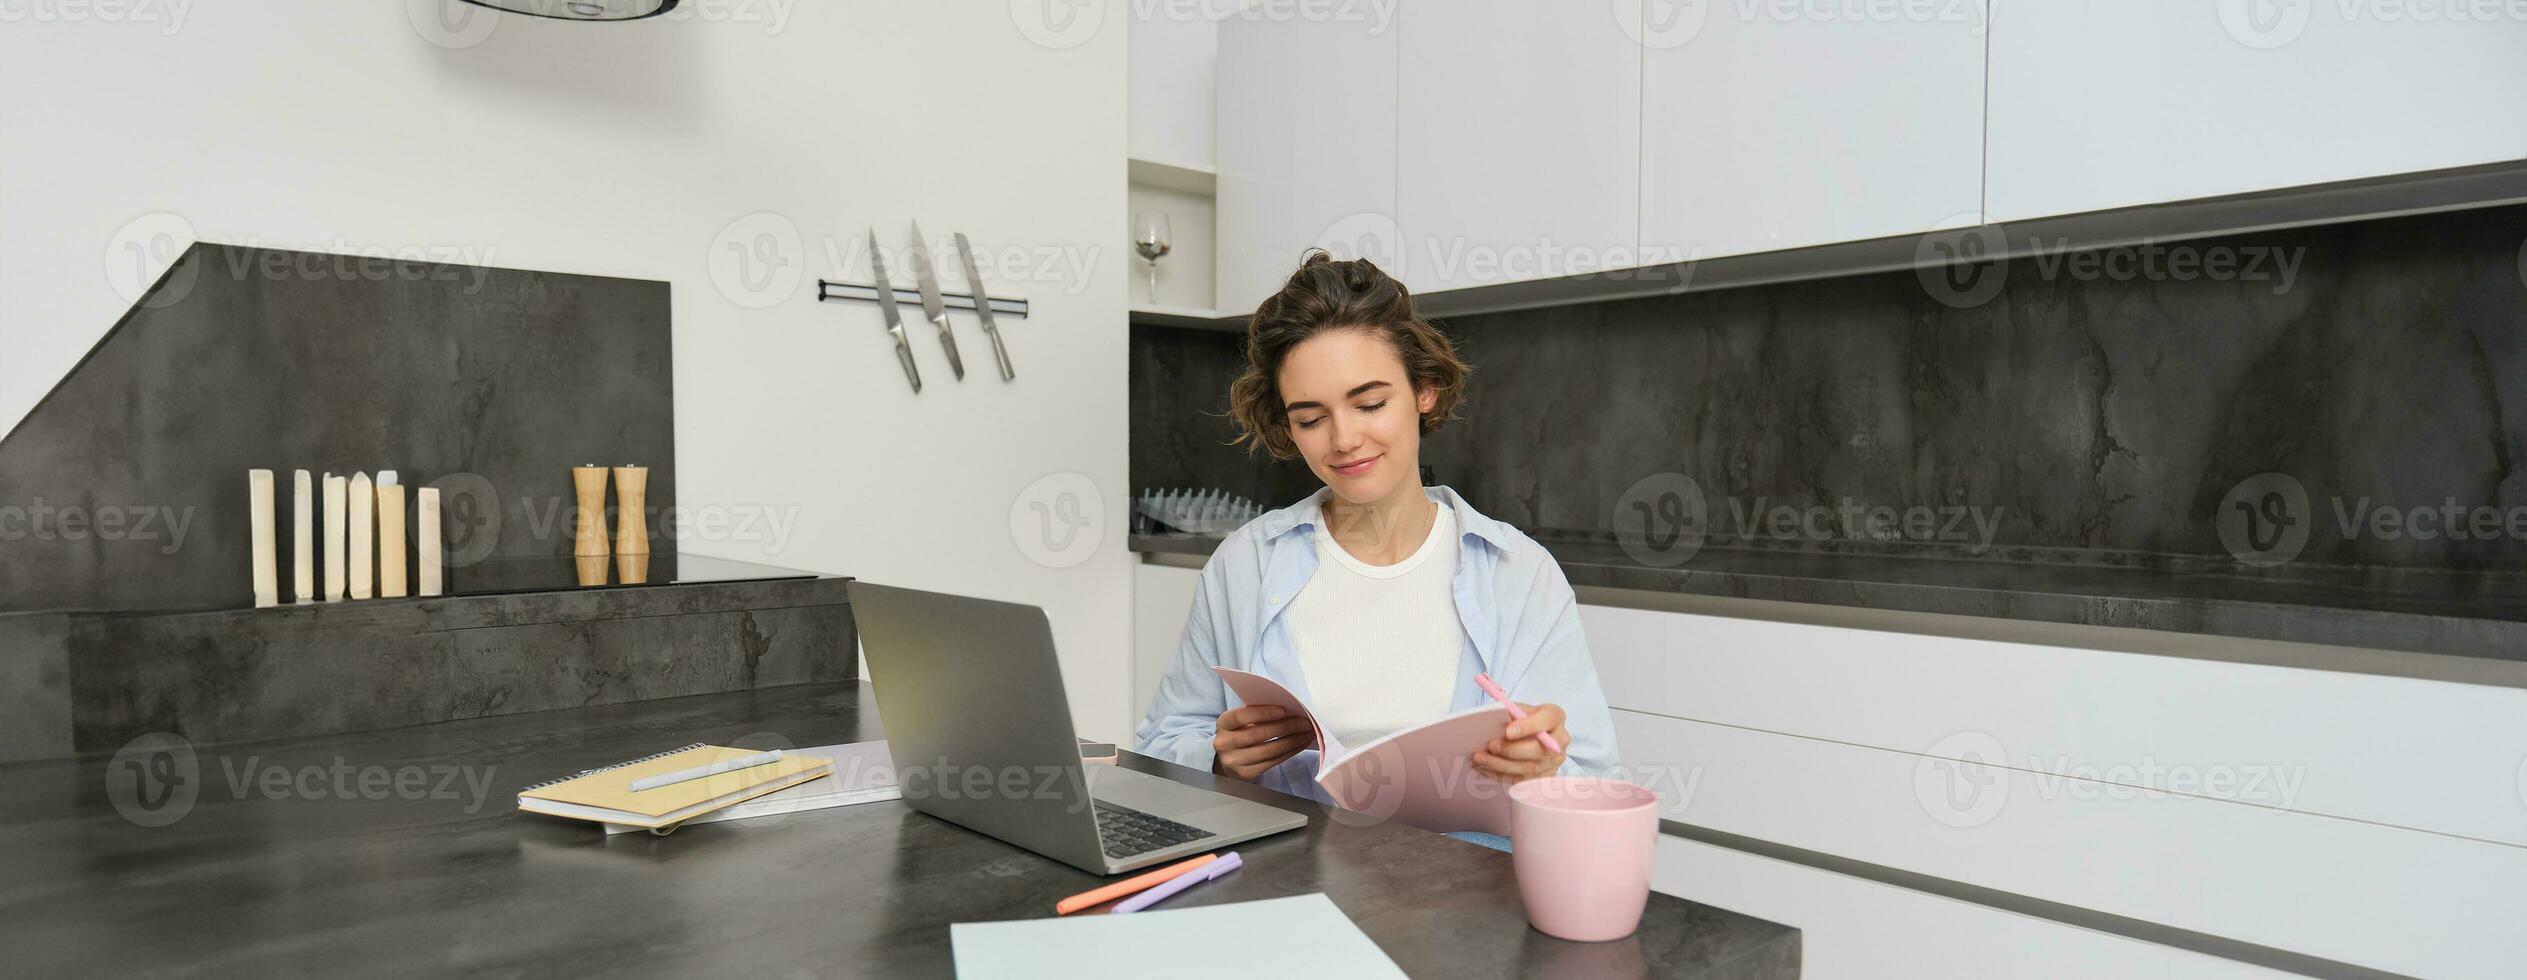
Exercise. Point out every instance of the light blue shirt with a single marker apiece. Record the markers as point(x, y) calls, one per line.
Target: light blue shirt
point(1521, 626)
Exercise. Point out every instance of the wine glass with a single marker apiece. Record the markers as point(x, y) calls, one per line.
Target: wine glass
point(1151, 238)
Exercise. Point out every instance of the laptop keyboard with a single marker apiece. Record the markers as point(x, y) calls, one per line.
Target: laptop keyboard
point(1125, 831)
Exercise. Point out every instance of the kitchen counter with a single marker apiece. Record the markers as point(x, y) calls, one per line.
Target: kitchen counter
point(2477, 616)
point(248, 875)
point(91, 681)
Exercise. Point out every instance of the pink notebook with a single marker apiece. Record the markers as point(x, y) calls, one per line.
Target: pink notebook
point(1423, 775)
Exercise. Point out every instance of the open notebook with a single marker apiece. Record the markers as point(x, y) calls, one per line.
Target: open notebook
point(1423, 775)
point(606, 796)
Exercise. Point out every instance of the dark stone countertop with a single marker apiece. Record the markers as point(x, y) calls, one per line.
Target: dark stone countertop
point(266, 875)
point(497, 580)
point(2479, 616)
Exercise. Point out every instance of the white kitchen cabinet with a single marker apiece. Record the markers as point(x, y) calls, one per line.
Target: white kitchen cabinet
point(2104, 105)
point(1162, 600)
point(2388, 898)
point(1306, 146)
point(1519, 142)
point(1762, 131)
point(1857, 928)
point(1174, 61)
point(2120, 781)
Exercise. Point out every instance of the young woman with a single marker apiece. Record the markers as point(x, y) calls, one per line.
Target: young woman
point(1376, 599)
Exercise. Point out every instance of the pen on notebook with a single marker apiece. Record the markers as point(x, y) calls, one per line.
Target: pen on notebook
point(1180, 883)
point(1108, 893)
point(1551, 744)
point(700, 772)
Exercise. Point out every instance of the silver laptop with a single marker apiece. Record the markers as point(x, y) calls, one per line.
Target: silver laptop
point(970, 695)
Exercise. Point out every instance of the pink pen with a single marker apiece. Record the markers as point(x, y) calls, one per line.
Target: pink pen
point(1515, 712)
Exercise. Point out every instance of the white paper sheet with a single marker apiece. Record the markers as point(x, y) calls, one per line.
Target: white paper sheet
point(1309, 938)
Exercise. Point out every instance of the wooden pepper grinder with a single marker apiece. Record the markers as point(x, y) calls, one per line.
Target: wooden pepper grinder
point(631, 524)
point(588, 529)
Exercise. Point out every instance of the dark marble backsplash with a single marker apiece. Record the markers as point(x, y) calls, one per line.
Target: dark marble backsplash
point(488, 383)
point(2349, 395)
point(1180, 424)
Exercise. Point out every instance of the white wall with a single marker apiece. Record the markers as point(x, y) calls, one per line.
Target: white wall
point(635, 150)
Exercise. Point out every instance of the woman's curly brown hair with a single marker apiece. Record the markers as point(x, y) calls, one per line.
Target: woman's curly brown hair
point(1326, 294)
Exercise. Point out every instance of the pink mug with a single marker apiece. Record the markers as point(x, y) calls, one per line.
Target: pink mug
point(1582, 848)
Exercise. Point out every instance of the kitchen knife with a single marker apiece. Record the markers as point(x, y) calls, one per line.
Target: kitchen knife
point(982, 307)
point(894, 318)
point(931, 305)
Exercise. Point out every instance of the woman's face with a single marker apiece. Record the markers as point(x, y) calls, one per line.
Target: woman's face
point(1354, 414)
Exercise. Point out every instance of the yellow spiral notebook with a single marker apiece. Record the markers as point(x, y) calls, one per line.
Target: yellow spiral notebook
point(606, 795)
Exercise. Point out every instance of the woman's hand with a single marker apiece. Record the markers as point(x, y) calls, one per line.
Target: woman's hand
point(1256, 738)
point(1518, 756)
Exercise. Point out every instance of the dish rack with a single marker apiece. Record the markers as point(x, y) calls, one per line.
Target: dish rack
point(1189, 511)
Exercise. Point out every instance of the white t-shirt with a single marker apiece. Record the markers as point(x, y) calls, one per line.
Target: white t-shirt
point(1380, 643)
